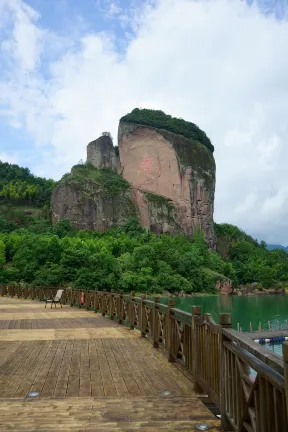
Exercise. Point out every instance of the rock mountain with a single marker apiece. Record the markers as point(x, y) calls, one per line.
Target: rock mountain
point(162, 172)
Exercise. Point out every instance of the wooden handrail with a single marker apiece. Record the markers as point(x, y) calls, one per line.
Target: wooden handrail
point(219, 358)
point(276, 379)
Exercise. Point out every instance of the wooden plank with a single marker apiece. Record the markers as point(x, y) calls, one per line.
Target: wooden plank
point(63, 376)
point(95, 373)
point(169, 369)
point(21, 371)
point(8, 350)
point(149, 376)
point(85, 382)
point(127, 374)
point(107, 380)
point(117, 376)
point(40, 379)
point(9, 367)
point(158, 370)
point(132, 366)
point(26, 385)
point(74, 372)
point(51, 379)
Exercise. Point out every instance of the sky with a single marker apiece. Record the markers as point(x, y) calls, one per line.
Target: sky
point(70, 69)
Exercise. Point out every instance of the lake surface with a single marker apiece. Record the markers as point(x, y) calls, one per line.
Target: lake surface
point(276, 348)
point(244, 309)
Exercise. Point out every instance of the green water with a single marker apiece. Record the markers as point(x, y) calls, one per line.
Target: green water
point(244, 309)
point(276, 348)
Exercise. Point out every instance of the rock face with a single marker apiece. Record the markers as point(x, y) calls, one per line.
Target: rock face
point(165, 179)
point(224, 287)
point(94, 202)
point(180, 171)
point(101, 153)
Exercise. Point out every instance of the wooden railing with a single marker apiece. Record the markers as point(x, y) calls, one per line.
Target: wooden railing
point(248, 383)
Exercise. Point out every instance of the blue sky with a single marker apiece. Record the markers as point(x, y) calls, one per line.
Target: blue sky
point(70, 69)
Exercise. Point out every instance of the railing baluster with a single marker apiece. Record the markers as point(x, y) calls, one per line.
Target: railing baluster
point(170, 330)
point(225, 322)
point(155, 323)
point(143, 315)
point(285, 358)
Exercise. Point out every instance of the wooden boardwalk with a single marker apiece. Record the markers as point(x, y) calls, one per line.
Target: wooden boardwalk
point(91, 373)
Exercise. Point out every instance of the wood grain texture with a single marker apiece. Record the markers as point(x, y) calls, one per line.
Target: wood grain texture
point(92, 375)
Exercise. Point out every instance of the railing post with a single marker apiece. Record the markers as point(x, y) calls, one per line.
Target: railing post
point(196, 313)
point(71, 297)
point(155, 323)
point(87, 300)
point(120, 308)
point(143, 315)
point(111, 304)
point(103, 303)
point(79, 298)
point(225, 322)
point(171, 304)
point(95, 301)
point(285, 358)
point(131, 311)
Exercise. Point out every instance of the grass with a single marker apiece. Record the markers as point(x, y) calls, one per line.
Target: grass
point(5, 209)
point(111, 182)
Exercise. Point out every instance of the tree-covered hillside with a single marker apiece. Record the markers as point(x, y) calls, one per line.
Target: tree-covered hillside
point(273, 246)
point(130, 258)
point(126, 258)
point(32, 251)
point(251, 261)
point(158, 119)
point(19, 186)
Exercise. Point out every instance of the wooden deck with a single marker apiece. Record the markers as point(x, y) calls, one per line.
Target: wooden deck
point(91, 373)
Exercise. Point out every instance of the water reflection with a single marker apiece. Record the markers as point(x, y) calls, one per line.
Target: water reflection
point(244, 309)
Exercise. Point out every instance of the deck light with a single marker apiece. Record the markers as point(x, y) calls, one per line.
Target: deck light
point(202, 427)
point(33, 394)
point(165, 393)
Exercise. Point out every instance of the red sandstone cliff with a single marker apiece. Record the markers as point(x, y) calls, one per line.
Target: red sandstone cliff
point(173, 179)
point(165, 179)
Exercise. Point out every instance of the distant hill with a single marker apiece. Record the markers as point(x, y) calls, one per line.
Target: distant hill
point(272, 246)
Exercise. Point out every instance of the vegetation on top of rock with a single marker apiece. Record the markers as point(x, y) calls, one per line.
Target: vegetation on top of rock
point(158, 119)
point(111, 182)
point(19, 186)
point(159, 200)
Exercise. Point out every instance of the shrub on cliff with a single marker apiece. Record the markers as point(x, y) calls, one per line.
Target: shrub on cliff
point(158, 119)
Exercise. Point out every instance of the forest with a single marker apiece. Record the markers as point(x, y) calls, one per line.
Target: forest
point(19, 186)
point(160, 120)
point(127, 258)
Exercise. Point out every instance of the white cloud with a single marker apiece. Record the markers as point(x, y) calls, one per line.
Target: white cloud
point(5, 157)
point(217, 63)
